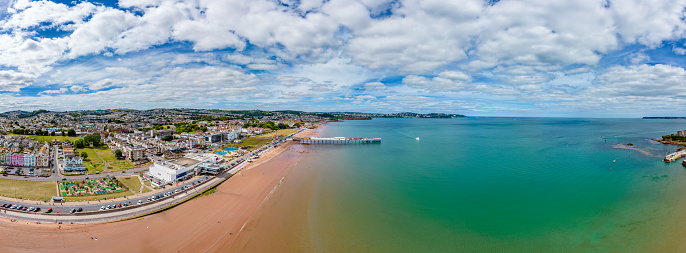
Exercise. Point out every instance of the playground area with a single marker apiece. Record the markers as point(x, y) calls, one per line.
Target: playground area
point(91, 187)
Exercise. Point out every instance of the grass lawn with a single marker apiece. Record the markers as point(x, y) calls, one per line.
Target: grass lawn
point(101, 196)
point(146, 189)
point(95, 164)
point(50, 138)
point(282, 132)
point(131, 182)
point(94, 168)
point(33, 190)
point(249, 143)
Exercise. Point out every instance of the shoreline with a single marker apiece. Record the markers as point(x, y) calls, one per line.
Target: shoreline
point(207, 223)
point(281, 223)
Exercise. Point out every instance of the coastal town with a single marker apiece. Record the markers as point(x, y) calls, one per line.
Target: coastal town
point(139, 157)
point(675, 139)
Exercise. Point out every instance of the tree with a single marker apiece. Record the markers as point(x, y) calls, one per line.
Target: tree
point(84, 155)
point(117, 154)
point(92, 139)
point(63, 133)
point(167, 138)
point(52, 133)
point(71, 132)
point(79, 143)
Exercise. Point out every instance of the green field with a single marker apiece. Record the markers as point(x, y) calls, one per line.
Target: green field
point(50, 138)
point(249, 143)
point(131, 182)
point(146, 189)
point(34, 190)
point(282, 132)
point(99, 197)
point(94, 164)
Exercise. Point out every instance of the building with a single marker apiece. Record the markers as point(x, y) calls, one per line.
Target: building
point(17, 160)
point(29, 160)
point(73, 164)
point(181, 168)
point(133, 154)
point(681, 133)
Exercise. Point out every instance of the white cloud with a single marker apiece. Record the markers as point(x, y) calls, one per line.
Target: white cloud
point(77, 88)
point(100, 32)
point(58, 91)
point(445, 81)
point(518, 80)
point(13, 81)
point(375, 86)
point(642, 80)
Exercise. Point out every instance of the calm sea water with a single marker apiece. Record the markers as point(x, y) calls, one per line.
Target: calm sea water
point(497, 184)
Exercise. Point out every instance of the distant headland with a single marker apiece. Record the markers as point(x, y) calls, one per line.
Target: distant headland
point(664, 117)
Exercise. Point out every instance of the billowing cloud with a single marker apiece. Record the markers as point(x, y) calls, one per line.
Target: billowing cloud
point(324, 54)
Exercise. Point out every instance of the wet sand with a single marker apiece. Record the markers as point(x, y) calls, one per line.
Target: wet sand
point(282, 223)
point(206, 224)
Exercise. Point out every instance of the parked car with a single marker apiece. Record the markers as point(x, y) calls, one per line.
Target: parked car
point(36, 209)
point(102, 208)
point(79, 209)
point(72, 210)
point(140, 201)
point(49, 210)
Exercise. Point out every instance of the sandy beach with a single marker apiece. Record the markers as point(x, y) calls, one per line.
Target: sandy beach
point(206, 224)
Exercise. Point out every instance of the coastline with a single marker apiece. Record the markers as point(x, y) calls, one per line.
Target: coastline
point(281, 223)
point(204, 224)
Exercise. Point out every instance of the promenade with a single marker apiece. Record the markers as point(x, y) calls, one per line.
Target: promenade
point(93, 214)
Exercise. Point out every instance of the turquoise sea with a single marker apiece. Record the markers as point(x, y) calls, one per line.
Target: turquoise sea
point(498, 185)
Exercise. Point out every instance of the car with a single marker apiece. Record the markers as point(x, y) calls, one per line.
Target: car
point(49, 210)
point(102, 208)
point(119, 206)
point(79, 209)
point(123, 204)
point(72, 210)
point(86, 177)
point(64, 179)
point(148, 198)
point(36, 209)
point(176, 191)
point(25, 208)
point(140, 201)
point(19, 207)
point(4, 205)
point(4, 175)
point(13, 207)
point(30, 209)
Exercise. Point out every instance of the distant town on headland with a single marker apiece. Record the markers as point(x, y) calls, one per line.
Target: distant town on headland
point(210, 114)
point(664, 117)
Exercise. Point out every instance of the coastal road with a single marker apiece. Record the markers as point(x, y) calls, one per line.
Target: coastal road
point(196, 185)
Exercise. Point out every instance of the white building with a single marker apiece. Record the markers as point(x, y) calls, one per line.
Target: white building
point(177, 169)
point(73, 163)
point(29, 160)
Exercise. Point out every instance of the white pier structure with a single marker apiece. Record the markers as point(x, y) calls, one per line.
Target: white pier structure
point(674, 156)
point(338, 140)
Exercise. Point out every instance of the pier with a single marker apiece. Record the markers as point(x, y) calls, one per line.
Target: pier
point(674, 156)
point(338, 140)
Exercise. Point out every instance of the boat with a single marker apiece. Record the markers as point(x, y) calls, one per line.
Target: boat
point(417, 138)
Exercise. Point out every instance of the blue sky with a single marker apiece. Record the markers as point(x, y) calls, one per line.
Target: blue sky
point(585, 58)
